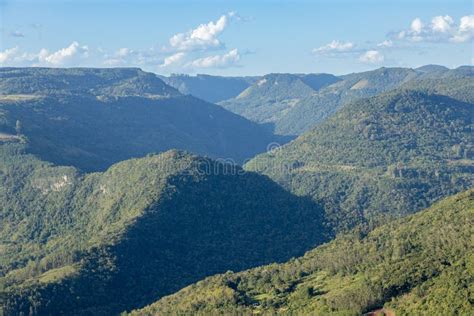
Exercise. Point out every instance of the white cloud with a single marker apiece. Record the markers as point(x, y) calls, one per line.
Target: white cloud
point(386, 43)
point(202, 37)
point(124, 52)
point(334, 47)
point(8, 54)
point(441, 29)
point(15, 57)
point(442, 23)
point(71, 54)
point(372, 57)
point(121, 57)
point(467, 23)
point(217, 61)
point(416, 26)
point(64, 55)
point(173, 59)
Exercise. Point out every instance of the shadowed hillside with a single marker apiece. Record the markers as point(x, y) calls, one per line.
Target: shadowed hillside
point(422, 264)
point(106, 242)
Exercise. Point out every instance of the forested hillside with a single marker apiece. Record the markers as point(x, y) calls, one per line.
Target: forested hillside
point(293, 104)
point(420, 265)
point(270, 99)
point(83, 81)
point(379, 157)
point(101, 243)
point(92, 118)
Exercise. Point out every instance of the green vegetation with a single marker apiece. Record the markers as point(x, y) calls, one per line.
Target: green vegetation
point(293, 104)
point(379, 157)
point(120, 239)
point(422, 264)
point(92, 118)
point(272, 97)
point(102, 243)
point(83, 81)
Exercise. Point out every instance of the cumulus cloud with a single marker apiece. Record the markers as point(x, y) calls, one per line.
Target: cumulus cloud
point(173, 59)
point(202, 37)
point(440, 29)
point(217, 61)
point(442, 23)
point(64, 55)
point(334, 47)
point(15, 57)
point(416, 26)
point(8, 55)
point(372, 57)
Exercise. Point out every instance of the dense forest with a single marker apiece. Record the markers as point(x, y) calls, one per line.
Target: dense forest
point(379, 157)
point(419, 265)
point(119, 187)
point(102, 243)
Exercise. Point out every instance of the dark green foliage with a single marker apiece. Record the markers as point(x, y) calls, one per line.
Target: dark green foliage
point(379, 157)
point(105, 242)
point(210, 88)
point(421, 264)
point(92, 118)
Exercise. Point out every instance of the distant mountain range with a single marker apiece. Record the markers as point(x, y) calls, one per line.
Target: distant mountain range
point(291, 104)
point(209, 88)
point(92, 118)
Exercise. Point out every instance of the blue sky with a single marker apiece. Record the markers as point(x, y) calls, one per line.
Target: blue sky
point(237, 37)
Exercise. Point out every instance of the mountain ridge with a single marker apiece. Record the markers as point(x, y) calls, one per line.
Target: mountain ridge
point(106, 242)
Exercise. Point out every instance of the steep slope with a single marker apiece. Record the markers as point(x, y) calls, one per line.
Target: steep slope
point(105, 242)
point(209, 88)
point(92, 118)
point(379, 157)
point(422, 264)
point(304, 109)
point(270, 98)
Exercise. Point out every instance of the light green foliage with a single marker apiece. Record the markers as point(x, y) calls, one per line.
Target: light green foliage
point(419, 264)
point(379, 157)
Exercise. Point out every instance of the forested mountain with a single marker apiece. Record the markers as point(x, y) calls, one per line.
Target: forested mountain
point(272, 97)
point(86, 230)
point(92, 118)
point(83, 81)
point(420, 265)
point(290, 105)
point(101, 243)
point(209, 88)
point(379, 157)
